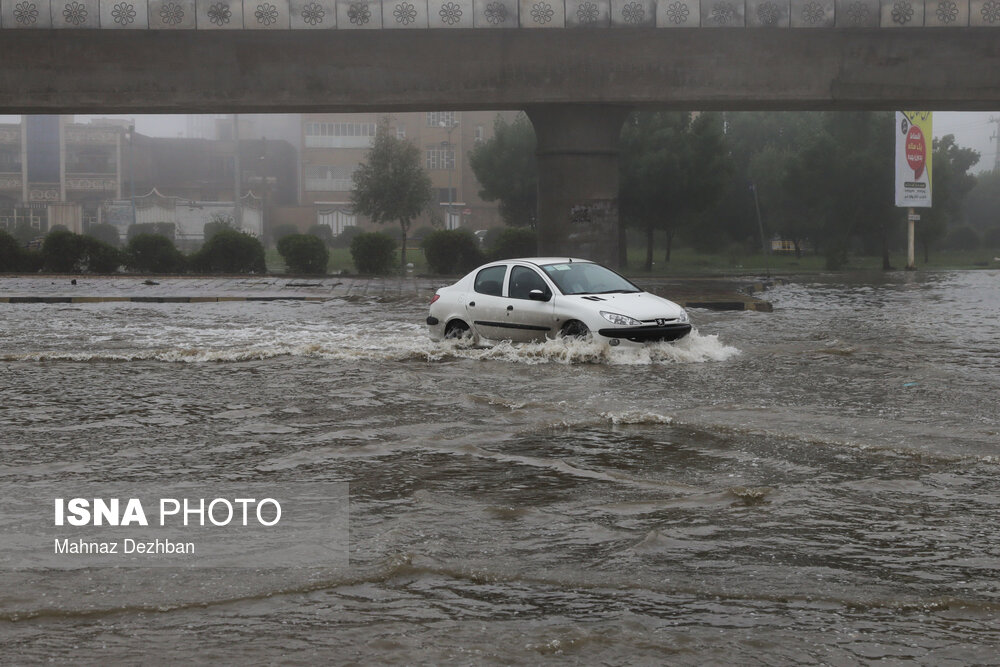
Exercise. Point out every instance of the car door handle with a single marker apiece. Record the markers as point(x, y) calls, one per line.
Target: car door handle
point(510, 307)
point(472, 304)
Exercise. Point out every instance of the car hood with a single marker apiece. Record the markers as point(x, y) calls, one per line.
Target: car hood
point(640, 305)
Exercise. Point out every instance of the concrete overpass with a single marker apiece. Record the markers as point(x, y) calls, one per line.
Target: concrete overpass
point(576, 66)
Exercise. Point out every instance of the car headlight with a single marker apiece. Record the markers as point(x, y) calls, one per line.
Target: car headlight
point(683, 317)
point(620, 320)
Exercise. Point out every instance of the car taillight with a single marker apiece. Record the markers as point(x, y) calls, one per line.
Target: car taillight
point(435, 298)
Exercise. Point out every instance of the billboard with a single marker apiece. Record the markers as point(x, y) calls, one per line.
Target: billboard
point(913, 158)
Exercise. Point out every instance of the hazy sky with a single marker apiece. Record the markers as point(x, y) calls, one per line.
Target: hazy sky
point(972, 129)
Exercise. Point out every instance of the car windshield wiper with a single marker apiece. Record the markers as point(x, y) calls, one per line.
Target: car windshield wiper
point(619, 291)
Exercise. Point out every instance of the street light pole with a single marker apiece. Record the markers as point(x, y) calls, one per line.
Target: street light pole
point(131, 169)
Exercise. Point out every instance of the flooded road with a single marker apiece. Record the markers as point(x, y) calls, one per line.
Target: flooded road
point(814, 485)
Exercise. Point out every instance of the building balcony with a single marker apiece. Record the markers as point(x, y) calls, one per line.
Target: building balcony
point(92, 182)
point(10, 181)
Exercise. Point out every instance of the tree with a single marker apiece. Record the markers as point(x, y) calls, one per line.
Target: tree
point(671, 169)
point(230, 251)
point(153, 253)
point(391, 185)
point(951, 183)
point(506, 168)
point(104, 232)
point(304, 253)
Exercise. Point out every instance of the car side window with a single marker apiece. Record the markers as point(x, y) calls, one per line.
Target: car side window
point(490, 280)
point(523, 280)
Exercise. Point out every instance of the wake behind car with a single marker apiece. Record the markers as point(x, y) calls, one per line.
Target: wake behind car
point(537, 298)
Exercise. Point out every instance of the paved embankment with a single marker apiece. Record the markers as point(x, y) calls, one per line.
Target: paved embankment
point(710, 293)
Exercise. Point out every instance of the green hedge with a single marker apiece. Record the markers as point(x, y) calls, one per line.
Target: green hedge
point(373, 252)
point(453, 251)
point(304, 253)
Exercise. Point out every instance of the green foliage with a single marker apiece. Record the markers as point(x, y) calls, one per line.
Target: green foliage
point(344, 238)
point(304, 253)
point(991, 237)
point(153, 253)
point(506, 168)
point(951, 184)
point(373, 252)
point(513, 242)
point(671, 169)
point(451, 251)
point(962, 238)
point(62, 252)
point(391, 184)
point(105, 233)
point(167, 229)
point(322, 232)
point(230, 251)
point(281, 231)
point(101, 257)
point(11, 253)
point(66, 252)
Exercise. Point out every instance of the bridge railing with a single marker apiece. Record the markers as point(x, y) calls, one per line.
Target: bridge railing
point(493, 14)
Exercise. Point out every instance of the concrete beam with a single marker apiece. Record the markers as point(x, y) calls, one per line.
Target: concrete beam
point(106, 71)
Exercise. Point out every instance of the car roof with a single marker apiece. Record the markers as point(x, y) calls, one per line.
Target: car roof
point(542, 261)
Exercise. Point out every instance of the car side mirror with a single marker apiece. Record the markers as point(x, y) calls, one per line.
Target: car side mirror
point(539, 295)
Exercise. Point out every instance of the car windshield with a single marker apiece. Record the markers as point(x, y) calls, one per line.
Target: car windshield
point(587, 278)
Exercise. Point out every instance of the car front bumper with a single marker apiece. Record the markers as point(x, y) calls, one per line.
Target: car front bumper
point(648, 334)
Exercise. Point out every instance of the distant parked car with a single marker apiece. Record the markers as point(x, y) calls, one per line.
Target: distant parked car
point(537, 298)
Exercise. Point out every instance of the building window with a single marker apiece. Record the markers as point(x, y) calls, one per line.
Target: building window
point(400, 131)
point(441, 118)
point(339, 135)
point(480, 135)
point(443, 195)
point(440, 158)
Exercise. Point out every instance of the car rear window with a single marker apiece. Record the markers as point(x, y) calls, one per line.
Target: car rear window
point(490, 280)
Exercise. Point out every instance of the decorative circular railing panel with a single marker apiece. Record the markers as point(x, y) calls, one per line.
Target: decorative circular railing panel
point(493, 14)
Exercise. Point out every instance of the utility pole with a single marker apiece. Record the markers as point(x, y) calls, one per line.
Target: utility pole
point(996, 136)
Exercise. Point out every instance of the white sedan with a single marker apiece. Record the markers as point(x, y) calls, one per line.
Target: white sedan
point(538, 298)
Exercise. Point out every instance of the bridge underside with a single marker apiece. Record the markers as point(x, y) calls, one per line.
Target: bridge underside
point(244, 71)
point(576, 84)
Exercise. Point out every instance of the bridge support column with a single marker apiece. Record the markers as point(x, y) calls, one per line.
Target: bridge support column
point(578, 180)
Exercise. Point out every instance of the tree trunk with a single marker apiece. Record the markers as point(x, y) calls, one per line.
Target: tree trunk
point(405, 226)
point(670, 245)
point(798, 248)
point(886, 264)
point(927, 252)
point(649, 247)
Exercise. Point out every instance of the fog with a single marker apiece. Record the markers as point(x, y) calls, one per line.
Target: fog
point(972, 129)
